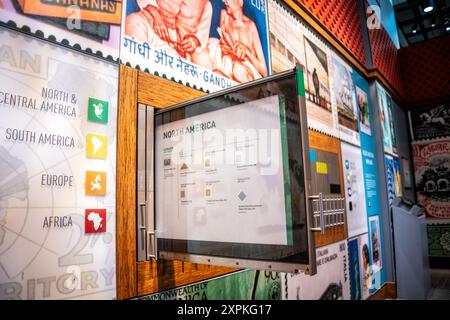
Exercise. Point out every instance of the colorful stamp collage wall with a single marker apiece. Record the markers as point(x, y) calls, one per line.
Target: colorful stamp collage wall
point(58, 156)
point(430, 132)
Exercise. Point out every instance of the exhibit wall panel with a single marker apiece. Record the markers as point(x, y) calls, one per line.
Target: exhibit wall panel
point(332, 103)
point(384, 210)
point(374, 187)
point(352, 119)
point(58, 172)
point(405, 153)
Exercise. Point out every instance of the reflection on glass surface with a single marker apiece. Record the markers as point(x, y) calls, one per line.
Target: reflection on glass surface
point(229, 176)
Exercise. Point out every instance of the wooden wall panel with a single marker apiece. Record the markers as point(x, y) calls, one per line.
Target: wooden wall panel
point(387, 292)
point(323, 142)
point(126, 182)
point(161, 93)
point(163, 275)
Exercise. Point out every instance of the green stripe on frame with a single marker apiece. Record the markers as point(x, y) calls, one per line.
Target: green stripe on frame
point(300, 83)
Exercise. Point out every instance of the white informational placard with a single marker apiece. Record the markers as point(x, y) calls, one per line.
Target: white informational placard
point(355, 200)
point(58, 123)
point(332, 281)
point(220, 176)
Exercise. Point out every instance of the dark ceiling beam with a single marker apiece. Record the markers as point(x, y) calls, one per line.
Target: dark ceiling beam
point(400, 27)
point(419, 17)
point(442, 16)
point(413, 20)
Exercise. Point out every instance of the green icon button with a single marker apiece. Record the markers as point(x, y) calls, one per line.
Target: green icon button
point(98, 110)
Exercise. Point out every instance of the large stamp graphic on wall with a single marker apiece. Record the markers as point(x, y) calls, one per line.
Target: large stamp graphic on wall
point(439, 239)
point(210, 44)
point(286, 48)
point(430, 123)
point(361, 271)
point(304, 48)
point(387, 120)
point(92, 26)
point(317, 89)
point(345, 100)
point(432, 172)
point(46, 210)
point(244, 285)
point(332, 281)
point(364, 111)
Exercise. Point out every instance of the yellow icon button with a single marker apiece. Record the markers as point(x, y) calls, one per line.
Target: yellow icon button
point(96, 146)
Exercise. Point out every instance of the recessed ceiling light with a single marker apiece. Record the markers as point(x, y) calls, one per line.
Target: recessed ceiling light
point(433, 21)
point(447, 29)
point(428, 6)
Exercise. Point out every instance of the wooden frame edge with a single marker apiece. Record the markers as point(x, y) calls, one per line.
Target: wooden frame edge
point(387, 291)
point(126, 270)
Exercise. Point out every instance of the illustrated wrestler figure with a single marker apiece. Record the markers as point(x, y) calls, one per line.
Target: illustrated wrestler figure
point(238, 54)
point(177, 26)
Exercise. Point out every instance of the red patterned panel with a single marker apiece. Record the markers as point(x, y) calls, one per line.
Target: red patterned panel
point(384, 55)
point(341, 18)
point(425, 70)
